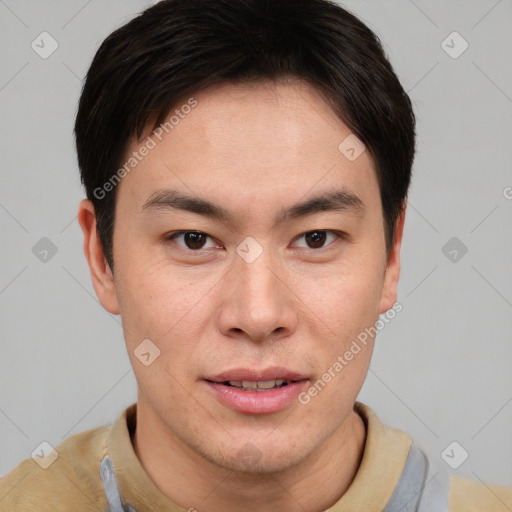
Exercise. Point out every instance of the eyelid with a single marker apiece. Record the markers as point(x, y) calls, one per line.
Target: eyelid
point(338, 234)
point(175, 234)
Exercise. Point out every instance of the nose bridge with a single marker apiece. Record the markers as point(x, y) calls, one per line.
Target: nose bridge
point(256, 274)
point(258, 302)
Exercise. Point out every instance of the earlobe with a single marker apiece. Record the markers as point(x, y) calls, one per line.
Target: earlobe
point(392, 273)
point(101, 274)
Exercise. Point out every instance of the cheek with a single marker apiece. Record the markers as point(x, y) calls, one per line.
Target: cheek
point(346, 299)
point(159, 303)
point(157, 309)
point(151, 294)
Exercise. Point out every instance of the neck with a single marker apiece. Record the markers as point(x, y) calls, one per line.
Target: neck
point(190, 481)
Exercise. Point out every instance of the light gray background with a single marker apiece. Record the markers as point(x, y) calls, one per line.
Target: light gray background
point(441, 369)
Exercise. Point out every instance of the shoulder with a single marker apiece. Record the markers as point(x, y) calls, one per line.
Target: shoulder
point(66, 478)
point(467, 495)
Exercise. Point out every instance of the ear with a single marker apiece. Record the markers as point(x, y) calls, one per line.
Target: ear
point(392, 273)
point(101, 274)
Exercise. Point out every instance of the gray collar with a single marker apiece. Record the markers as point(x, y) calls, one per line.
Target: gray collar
point(417, 489)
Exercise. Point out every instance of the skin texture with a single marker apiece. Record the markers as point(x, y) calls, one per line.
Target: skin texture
point(253, 149)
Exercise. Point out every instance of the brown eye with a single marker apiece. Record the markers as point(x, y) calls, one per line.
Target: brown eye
point(193, 240)
point(315, 239)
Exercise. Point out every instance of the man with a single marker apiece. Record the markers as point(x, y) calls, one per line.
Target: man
point(246, 164)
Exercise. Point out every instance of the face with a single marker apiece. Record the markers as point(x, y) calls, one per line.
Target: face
point(250, 294)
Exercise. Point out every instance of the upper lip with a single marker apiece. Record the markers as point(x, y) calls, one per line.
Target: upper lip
point(247, 374)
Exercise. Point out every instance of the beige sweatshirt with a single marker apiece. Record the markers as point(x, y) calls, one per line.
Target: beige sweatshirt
point(72, 482)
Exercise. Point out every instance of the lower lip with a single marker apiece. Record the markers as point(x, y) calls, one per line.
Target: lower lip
point(257, 402)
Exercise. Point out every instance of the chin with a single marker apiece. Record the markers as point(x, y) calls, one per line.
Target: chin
point(269, 464)
point(257, 457)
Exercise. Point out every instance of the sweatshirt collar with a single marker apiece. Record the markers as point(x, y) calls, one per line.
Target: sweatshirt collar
point(385, 453)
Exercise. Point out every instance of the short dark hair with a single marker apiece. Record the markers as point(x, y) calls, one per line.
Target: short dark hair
point(178, 47)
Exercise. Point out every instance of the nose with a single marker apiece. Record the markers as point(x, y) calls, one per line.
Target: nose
point(258, 303)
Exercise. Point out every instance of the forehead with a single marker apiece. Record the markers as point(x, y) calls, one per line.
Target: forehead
point(250, 145)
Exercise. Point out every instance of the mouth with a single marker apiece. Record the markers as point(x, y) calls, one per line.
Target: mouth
point(257, 392)
point(264, 385)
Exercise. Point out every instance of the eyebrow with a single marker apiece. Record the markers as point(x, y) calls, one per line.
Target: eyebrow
point(336, 200)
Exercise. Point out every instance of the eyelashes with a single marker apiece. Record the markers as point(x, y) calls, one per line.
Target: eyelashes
point(195, 241)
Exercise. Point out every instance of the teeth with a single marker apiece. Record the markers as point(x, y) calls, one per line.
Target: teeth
point(266, 384)
point(260, 385)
